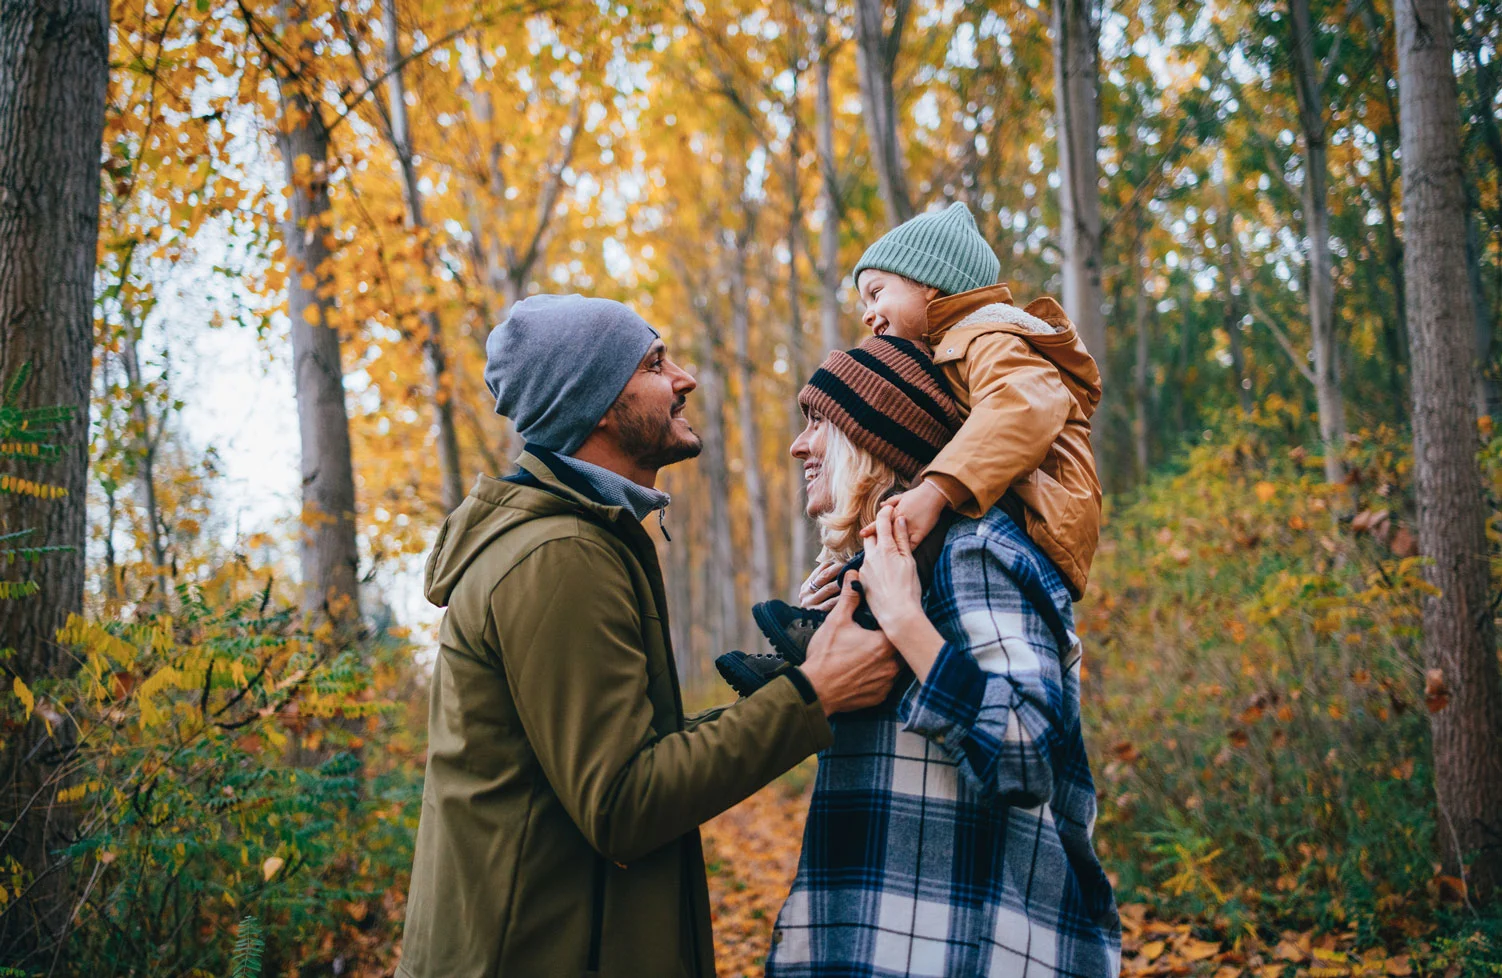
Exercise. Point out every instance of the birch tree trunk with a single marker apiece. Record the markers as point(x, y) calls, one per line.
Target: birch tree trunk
point(800, 530)
point(876, 59)
point(725, 611)
point(1319, 273)
point(1076, 43)
point(1231, 276)
point(1459, 639)
point(745, 410)
point(328, 553)
point(830, 272)
point(54, 69)
point(146, 443)
point(434, 357)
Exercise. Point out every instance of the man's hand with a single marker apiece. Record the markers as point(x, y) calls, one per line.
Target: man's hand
point(820, 591)
point(850, 667)
point(920, 506)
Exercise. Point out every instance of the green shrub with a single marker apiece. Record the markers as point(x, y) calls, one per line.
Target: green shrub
point(1254, 695)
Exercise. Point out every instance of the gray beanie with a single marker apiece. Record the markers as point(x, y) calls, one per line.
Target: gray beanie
point(943, 249)
point(559, 362)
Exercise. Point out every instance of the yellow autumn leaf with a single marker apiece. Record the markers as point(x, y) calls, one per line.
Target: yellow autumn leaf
point(270, 866)
point(1265, 491)
point(1197, 950)
point(24, 695)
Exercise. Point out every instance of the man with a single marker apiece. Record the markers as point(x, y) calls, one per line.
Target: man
point(564, 785)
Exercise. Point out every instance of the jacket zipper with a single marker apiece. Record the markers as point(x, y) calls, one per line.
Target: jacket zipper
point(597, 915)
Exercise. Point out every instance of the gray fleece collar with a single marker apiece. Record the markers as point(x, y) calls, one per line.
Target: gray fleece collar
point(615, 489)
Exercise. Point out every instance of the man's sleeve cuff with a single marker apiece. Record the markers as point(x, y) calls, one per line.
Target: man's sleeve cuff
point(799, 680)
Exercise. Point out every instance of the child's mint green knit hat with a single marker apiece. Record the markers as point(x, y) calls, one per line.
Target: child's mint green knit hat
point(943, 249)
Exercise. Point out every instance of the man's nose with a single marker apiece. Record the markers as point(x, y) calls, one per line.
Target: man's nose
point(683, 381)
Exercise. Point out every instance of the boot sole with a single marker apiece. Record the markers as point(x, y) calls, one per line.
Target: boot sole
point(765, 620)
point(741, 677)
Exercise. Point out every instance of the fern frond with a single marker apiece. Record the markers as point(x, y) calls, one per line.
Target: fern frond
point(16, 590)
point(249, 947)
point(18, 381)
point(9, 555)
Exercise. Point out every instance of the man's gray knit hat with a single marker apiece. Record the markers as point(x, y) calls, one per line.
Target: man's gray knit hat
point(558, 363)
point(943, 249)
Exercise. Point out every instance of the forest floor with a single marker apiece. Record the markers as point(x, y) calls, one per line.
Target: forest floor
point(752, 854)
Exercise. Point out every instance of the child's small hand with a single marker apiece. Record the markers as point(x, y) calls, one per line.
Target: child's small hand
point(920, 506)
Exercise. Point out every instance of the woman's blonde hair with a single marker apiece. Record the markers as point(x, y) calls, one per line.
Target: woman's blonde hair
point(858, 481)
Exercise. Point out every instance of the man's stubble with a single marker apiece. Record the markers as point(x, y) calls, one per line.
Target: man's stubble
point(652, 439)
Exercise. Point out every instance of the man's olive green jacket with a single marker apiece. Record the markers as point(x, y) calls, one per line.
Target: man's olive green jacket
point(559, 829)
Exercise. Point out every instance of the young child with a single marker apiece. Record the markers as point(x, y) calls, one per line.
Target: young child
point(1026, 387)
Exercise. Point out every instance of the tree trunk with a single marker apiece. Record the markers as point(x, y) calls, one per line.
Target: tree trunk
point(745, 410)
point(830, 272)
point(1238, 352)
point(1488, 395)
point(54, 69)
point(1143, 351)
point(675, 558)
point(725, 610)
point(800, 530)
point(876, 59)
point(1459, 640)
point(1231, 275)
point(329, 554)
point(1395, 328)
point(435, 359)
point(1077, 113)
point(1319, 273)
point(145, 442)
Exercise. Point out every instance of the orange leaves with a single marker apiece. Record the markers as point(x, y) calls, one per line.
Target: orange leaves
point(752, 854)
point(1160, 947)
point(1436, 692)
point(1157, 947)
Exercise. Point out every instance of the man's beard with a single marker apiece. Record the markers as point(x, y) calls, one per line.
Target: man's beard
point(652, 439)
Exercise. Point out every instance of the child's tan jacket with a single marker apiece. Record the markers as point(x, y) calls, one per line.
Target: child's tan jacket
point(1028, 388)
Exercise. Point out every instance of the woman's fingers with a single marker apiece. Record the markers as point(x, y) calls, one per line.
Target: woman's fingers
point(883, 524)
point(902, 538)
point(823, 598)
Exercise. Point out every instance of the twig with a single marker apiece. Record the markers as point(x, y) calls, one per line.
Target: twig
point(1299, 363)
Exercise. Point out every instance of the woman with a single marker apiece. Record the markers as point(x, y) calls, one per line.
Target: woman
point(949, 830)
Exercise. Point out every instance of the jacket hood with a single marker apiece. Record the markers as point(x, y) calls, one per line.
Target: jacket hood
point(955, 320)
point(492, 508)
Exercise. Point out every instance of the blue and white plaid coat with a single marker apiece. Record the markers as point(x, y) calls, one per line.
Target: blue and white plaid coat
point(949, 831)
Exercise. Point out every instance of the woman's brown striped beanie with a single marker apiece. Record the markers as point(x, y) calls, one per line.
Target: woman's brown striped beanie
point(888, 398)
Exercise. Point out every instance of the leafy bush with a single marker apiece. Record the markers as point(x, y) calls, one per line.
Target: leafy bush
point(223, 768)
point(1254, 690)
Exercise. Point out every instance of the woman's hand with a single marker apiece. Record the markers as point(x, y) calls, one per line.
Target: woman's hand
point(895, 595)
point(889, 574)
point(821, 590)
